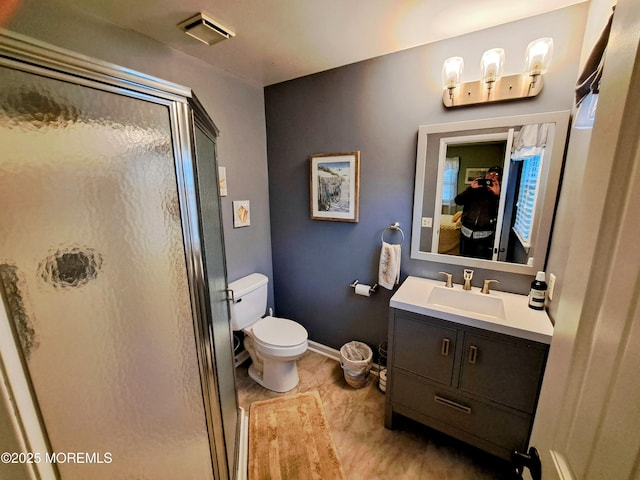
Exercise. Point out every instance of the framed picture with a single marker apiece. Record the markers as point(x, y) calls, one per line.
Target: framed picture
point(471, 174)
point(335, 187)
point(241, 213)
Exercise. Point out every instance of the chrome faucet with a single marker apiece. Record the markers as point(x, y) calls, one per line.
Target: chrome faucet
point(485, 285)
point(449, 283)
point(468, 275)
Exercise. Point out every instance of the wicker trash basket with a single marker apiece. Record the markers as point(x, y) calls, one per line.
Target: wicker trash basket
point(355, 360)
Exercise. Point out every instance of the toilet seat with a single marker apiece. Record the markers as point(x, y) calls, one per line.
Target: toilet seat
point(279, 337)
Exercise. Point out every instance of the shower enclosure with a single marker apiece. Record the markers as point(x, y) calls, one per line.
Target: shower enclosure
point(115, 345)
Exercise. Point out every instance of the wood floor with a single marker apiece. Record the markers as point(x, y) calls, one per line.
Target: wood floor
point(367, 450)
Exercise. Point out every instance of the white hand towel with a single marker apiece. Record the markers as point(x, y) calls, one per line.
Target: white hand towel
point(389, 271)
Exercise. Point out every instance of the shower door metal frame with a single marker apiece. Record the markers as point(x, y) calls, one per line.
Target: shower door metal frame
point(29, 55)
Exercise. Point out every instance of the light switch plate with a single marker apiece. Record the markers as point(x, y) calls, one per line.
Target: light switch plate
point(550, 287)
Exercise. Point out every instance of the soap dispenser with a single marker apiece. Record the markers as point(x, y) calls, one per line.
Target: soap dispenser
point(538, 292)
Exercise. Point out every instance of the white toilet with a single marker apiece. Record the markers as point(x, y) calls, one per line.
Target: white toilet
point(273, 343)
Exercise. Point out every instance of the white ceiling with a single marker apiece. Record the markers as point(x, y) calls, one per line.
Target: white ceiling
point(278, 40)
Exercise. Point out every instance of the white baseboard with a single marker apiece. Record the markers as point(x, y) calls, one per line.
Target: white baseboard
point(316, 347)
point(334, 354)
point(324, 350)
point(243, 446)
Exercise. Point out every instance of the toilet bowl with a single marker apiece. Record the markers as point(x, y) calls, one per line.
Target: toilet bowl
point(274, 344)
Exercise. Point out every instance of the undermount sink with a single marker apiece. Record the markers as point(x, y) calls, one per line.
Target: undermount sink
point(466, 302)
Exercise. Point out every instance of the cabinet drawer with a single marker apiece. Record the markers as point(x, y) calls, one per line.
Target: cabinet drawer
point(424, 348)
point(508, 372)
point(505, 428)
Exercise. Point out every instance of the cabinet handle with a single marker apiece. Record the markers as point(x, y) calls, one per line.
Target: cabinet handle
point(473, 354)
point(445, 347)
point(451, 404)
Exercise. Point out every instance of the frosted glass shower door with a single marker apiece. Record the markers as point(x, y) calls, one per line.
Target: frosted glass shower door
point(92, 258)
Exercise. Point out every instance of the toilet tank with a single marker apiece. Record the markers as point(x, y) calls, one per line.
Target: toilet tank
point(250, 300)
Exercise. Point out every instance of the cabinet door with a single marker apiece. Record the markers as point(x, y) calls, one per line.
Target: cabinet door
point(502, 369)
point(424, 347)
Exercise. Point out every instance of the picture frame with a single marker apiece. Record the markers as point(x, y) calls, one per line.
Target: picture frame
point(335, 187)
point(470, 174)
point(241, 213)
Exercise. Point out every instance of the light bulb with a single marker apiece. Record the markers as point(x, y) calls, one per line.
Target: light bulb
point(538, 56)
point(452, 71)
point(492, 64)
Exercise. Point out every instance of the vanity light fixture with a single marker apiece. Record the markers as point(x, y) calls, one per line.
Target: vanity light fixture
point(493, 86)
point(205, 29)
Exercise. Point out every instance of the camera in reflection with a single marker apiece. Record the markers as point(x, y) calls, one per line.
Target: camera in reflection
point(484, 182)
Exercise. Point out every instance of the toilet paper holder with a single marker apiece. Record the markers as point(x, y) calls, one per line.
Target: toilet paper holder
point(372, 290)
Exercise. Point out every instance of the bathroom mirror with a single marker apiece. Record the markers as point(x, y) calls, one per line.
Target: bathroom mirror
point(528, 149)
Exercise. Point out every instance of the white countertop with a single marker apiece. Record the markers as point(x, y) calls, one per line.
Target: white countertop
point(520, 320)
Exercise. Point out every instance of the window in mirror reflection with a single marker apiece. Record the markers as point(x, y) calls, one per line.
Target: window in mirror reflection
point(527, 199)
point(450, 185)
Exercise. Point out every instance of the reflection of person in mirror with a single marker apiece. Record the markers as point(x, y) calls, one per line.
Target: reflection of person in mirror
point(479, 215)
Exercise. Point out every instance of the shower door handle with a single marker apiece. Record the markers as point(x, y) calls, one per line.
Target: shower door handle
point(230, 297)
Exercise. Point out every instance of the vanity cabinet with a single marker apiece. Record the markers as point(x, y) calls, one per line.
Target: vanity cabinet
point(473, 384)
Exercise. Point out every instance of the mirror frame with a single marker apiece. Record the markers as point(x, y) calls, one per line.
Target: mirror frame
point(545, 206)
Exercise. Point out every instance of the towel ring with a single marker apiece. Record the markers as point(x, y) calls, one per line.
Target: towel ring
point(396, 227)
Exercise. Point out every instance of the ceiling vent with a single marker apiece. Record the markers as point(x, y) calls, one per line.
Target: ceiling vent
point(205, 29)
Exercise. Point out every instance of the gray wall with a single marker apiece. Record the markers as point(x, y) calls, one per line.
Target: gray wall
point(376, 107)
point(236, 107)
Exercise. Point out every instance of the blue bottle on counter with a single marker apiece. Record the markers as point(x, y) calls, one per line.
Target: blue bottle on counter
point(538, 292)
